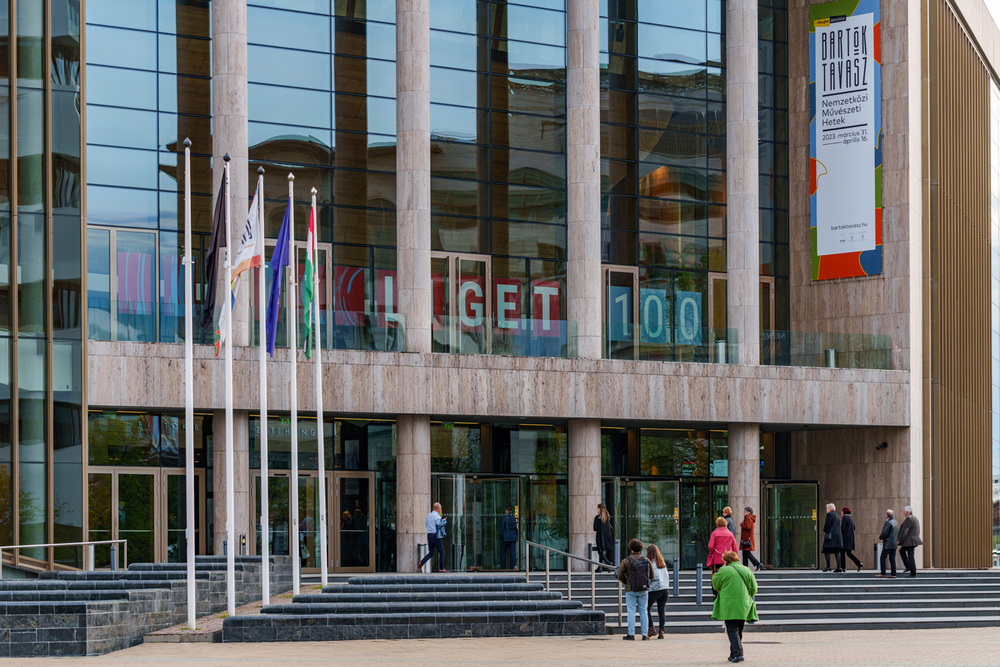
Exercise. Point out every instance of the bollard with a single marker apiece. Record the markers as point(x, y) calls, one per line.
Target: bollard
point(677, 578)
point(697, 583)
point(225, 547)
point(114, 558)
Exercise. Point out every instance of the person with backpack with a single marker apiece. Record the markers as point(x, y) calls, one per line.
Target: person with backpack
point(734, 603)
point(635, 572)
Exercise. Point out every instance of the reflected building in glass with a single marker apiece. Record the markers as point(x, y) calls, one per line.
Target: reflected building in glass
point(565, 258)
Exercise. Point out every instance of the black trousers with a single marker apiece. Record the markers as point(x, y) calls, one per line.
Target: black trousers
point(748, 557)
point(605, 556)
point(891, 555)
point(909, 562)
point(735, 631)
point(434, 543)
point(659, 598)
point(838, 556)
point(508, 553)
point(850, 554)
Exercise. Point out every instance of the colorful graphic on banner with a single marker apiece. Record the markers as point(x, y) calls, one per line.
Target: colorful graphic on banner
point(845, 139)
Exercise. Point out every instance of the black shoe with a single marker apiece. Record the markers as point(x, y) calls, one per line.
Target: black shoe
point(840, 569)
point(828, 569)
point(860, 565)
point(738, 658)
point(630, 638)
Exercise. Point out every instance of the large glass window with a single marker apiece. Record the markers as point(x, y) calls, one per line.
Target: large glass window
point(995, 306)
point(663, 161)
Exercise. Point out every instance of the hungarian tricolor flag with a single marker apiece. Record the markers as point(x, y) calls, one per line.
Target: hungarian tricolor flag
point(307, 284)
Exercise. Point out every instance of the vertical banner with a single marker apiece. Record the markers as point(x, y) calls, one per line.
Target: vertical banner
point(688, 318)
point(845, 133)
point(619, 319)
point(654, 316)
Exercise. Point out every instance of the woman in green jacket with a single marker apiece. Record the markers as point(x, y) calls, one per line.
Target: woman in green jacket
point(734, 603)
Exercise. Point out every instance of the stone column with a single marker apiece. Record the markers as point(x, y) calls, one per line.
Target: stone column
point(413, 487)
point(583, 170)
point(584, 481)
point(413, 171)
point(742, 182)
point(241, 478)
point(744, 473)
point(229, 135)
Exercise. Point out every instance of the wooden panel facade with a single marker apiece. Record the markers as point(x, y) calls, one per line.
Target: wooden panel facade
point(959, 346)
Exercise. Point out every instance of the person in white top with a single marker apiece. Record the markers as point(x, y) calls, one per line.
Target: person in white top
point(658, 586)
point(435, 537)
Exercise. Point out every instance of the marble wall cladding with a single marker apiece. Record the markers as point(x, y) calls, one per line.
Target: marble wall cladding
point(851, 472)
point(142, 375)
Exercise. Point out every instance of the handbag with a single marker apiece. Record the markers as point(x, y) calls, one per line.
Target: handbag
point(745, 545)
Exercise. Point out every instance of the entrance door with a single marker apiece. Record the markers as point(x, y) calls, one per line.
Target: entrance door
point(352, 529)
point(488, 499)
point(135, 520)
point(791, 534)
point(279, 514)
point(652, 514)
point(174, 518)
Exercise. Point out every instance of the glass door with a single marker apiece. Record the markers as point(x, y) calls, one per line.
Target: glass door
point(450, 491)
point(354, 531)
point(279, 513)
point(493, 497)
point(790, 532)
point(620, 285)
point(651, 512)
point(135, 519)
point(174, 517)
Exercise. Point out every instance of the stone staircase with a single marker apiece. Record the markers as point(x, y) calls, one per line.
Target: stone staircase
point(418, 606)
point(71, 613)
point(802, 600)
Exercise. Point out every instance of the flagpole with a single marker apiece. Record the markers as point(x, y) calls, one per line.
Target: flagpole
point(265, 523)
point(317, 348)
point(228, 310)
point(293, 382)
point(189, 388)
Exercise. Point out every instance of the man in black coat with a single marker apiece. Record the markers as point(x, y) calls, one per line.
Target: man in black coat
point(847, 529)
point(889, 537)
point(909, 539)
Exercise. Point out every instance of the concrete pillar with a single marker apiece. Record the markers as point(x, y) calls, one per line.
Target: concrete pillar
point(413, 171)
point(583, 171)
point(241, 478)
point(229, 135)
point(413, 487)
point(584, 481)
point(744, 473)
point(742, 182)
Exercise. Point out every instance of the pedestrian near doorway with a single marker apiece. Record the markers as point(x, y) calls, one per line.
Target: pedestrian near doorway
point(636, 573)
point(909, 540)
point(508, 540)
point(734, 603)
point(604, 535)
point(727, 514)
point(847, 530)
point(833, 539)
point(889, 537)
point(658, 587)
point(747, 542)
point(719, 542)
point(435, 525)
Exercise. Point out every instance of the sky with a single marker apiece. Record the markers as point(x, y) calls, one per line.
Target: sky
point(994, 6)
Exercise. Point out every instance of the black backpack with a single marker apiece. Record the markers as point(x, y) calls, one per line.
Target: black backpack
point(638, 574)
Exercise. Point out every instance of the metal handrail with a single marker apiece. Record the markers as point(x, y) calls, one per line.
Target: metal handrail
point(88, 554)
point(569, 573)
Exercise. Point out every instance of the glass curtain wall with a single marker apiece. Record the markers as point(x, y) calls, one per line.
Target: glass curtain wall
point(148, 87)
point(663, 181)
point(498, 176)
point(995, 305)
point(41, 346)
point(322, 88)
point(773, 143)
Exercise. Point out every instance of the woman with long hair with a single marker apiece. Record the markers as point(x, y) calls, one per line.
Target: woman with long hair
point(605, 535)
point(658, 586)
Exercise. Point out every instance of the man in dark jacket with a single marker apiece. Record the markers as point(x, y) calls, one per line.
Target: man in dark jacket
point(909, 539)
point(727, 514)
point(833, 541)
point(889, 537)
point(508, 539)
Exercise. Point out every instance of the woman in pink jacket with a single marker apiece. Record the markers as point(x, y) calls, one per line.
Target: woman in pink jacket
point(721, 541)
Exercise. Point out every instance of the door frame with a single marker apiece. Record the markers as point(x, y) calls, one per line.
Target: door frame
point(766, 513)
point(477, 523)
point(333, 531)
point(451, 284)
point(199, 491)
point(606, 270)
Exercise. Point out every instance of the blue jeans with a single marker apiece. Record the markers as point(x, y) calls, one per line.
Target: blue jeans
point(640, 600)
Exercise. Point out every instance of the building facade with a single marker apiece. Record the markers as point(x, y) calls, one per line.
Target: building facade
point(568, 255)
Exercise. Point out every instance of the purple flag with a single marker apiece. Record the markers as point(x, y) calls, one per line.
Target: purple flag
point(279, 260)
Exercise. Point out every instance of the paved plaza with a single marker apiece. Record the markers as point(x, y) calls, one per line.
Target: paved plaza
point(966, 646)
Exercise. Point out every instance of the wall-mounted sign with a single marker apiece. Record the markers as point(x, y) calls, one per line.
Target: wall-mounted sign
point(845, 139)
